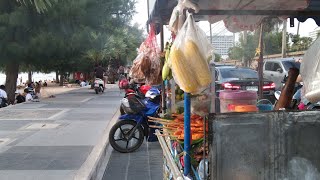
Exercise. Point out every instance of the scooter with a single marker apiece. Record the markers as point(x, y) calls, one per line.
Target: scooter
point(297, 102)
point(135, 90)
point(98, 85)
point(128, 133)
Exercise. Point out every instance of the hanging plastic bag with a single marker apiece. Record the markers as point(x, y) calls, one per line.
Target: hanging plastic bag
point(147, 65)
point(310, 72)
point(188, 58)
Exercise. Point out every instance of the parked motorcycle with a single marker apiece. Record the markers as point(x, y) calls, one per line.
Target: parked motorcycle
point(298, 102)
point(128, 133)
point(134, 90)
point(98, 85)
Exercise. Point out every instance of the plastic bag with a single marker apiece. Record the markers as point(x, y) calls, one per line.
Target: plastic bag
point(147, 65)
point(310, 72)
point(189, 56)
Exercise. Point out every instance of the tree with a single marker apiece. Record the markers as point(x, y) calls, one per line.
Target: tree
point(40, 5)
point(57, 39)
point(217, 57)
point(299, 43)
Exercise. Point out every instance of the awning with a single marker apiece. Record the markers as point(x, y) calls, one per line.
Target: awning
point(239, 15)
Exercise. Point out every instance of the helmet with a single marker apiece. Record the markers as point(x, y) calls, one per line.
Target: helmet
point(145, 88)
point(152, 93)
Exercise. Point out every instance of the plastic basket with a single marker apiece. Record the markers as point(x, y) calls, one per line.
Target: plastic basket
point(264, 105)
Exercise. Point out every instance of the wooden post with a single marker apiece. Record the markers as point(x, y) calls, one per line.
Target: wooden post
point(260, 63)
point(288, 90)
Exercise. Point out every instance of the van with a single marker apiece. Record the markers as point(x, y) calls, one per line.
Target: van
point(276, 69)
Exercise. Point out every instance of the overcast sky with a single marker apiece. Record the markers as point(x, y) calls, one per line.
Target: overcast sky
point(142, 13)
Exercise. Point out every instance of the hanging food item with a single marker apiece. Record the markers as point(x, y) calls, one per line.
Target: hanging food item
point(166, 71)
point(147, 65)
point(188, 58)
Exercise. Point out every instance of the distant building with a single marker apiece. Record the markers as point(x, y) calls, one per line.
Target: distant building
point(222, 44)
point(314, 34)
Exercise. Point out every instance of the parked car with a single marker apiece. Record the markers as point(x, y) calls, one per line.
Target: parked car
point(239, 78)
point(276, 69)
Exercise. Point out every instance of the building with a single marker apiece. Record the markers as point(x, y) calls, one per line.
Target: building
point(314, 34)
point(222, 44)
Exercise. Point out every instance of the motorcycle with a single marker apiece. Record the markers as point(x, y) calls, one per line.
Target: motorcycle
point(128, 133)
point(98, 85)
point(298, 102)
point(134, 90)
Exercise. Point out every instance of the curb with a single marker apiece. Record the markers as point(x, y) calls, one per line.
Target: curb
point(91, 169)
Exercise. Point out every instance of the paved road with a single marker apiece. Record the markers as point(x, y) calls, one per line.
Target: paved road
point(52, 139)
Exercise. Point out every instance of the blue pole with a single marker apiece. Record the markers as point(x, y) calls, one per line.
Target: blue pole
point(187, 134)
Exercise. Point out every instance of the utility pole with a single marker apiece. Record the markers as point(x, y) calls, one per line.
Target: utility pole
point(245, 35)
point(284, 39)
point(210, 33)
point(298, 28)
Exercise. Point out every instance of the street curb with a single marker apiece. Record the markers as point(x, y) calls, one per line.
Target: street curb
point(91, 168)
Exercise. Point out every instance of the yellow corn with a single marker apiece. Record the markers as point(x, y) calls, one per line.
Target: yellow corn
point(182, 71)
point(198, 63)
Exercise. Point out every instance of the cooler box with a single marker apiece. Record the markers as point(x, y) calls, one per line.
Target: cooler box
point(232, 98)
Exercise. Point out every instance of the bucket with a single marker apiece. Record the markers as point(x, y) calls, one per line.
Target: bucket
point(264, 105)
point(230, 98)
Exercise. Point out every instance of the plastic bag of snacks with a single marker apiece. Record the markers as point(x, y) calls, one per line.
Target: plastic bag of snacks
point(189, 56)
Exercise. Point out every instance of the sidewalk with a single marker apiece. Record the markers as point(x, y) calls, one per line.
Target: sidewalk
point(146, 163)
point(52, 139)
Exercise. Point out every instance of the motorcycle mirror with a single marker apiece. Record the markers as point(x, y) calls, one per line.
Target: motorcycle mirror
point(277, 94)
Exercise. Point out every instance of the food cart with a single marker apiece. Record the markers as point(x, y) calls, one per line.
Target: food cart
point(251, 145)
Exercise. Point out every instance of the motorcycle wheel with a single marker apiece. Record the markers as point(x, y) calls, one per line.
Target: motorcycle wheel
point(97, 90)
point(118, 136)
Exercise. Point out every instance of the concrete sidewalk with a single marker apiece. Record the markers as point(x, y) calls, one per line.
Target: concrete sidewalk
point(146, 163)
point(53, 139)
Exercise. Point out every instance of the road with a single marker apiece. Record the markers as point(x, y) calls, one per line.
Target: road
point(54, 139)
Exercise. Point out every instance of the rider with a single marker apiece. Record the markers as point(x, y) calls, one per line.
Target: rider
point(99, 71)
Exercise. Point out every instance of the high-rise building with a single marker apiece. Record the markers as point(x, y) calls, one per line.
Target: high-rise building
point(222, 44)
point(314, 34)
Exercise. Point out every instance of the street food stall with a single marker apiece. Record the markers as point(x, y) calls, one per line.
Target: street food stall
point(238, 144)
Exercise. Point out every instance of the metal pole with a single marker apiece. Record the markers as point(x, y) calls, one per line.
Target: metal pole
point(163, 89)
point(284, 39)
point(298, 28)
point(260, 63)
point(210, 33)
point(148, 15)
point(245, 35)
point(187, 134)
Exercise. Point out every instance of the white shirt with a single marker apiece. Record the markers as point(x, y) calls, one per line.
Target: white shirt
point(83, 84)
point(28, 97)
point(3, 94)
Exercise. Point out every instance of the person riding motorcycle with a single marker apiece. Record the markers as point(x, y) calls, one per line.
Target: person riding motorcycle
point(99, 72)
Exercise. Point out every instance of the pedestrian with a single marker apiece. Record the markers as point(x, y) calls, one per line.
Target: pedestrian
point(28, 95)
point(126, 71)
point(3, 96)
point(121, 70)
point(38, 88)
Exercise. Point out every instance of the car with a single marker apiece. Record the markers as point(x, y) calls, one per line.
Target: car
point(277, 69)
point(240, 78)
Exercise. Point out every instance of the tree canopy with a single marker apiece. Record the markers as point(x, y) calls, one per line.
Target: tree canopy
point(71, 35)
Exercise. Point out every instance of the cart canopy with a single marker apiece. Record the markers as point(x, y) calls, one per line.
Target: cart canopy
point(252, 11)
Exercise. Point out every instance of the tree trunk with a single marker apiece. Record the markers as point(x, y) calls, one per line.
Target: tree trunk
point(30, 76)
point(61, 79)
point(57, 76)
point(12, 70)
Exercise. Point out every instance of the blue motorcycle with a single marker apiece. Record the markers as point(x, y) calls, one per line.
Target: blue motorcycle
point(128, 133)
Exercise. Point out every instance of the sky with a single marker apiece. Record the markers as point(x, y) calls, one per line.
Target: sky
point(218, 28)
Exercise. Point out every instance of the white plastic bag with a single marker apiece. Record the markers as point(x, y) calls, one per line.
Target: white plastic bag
point(189, 56)
point(310, 72)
